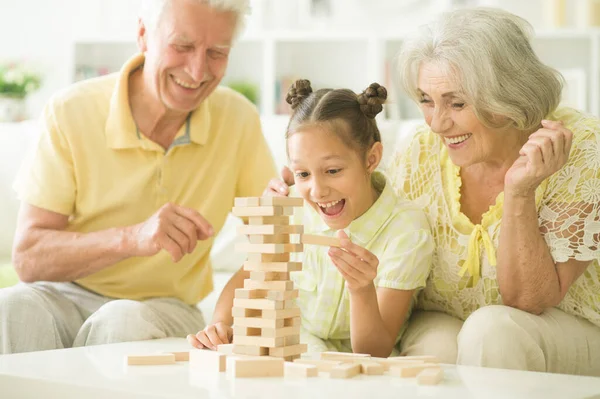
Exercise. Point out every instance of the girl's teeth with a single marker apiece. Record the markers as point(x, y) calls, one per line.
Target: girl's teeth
point(328, 204)
point(457, 140)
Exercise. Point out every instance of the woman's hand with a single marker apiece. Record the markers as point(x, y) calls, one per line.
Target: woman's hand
point(280, 188)
point(545, 153)
point(213, 335)
point(357, 265)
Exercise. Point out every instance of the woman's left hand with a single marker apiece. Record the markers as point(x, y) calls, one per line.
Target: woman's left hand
point(545, 153)
point(357, 265)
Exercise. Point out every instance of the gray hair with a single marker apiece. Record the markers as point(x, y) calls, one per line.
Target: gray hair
point(152, 11)
point(489, 55)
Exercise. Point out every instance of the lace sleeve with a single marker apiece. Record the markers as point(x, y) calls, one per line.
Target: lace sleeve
point(569, 217)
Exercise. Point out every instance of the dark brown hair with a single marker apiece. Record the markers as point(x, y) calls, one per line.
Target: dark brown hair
point(353, 114)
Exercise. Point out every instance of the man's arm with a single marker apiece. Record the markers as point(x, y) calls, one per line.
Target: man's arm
point(44, 251)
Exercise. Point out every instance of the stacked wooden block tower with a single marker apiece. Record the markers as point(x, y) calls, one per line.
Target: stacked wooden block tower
point(266, 318)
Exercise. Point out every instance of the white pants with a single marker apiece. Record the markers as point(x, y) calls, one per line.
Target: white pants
point(47, 315)
point(504, 337)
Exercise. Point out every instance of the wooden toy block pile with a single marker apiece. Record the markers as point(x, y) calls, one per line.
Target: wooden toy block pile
point(265, 316)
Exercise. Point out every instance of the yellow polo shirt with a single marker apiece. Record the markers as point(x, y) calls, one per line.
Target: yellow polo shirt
point(91, 164)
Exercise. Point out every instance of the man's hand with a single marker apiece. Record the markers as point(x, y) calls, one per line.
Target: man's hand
point(280, 188)
point(174, 228)
point(213, 335)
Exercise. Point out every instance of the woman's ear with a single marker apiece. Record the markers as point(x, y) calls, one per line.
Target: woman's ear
point(374, 156)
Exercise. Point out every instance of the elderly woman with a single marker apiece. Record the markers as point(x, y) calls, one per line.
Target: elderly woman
point(511, 186)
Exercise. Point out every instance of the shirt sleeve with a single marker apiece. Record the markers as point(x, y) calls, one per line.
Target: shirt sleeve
point(46, 179)
point(257, 167)
point(406, 260)
point(569, 215)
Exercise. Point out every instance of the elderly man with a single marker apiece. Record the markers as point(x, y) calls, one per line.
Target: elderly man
point(133, 175)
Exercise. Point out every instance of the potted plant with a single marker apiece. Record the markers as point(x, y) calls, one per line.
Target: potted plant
point(16, 82)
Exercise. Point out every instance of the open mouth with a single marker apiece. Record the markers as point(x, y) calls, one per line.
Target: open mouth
point(186, 85)
point(332, 208)
point(458, 140)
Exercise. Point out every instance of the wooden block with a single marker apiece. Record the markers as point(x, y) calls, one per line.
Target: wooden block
point(280, 332)
point(291, 358)
point(322, 365)
point(269, 201)
point(151, 360)
point(266, 229)
point(301, 370)
point(259, 341)
point(250, 350)
point(313, 239)
point(292, 340)
point(207, 360)
point(411, 370)
point(268, 258)
point(289, 304)
point(430, 376)
point(284, 351)
point(282, 295)
point(345, 370)
point(287, 285)
point(371, 368)
point(242, 293)
point(274, 220)
point(246, 331)
point(394, 361)
point(424, 358)
point(247, 367)
point(226, 349)
point(246, 201)
point(268, 248)
point(257, 303)
point(243, 312)
point(280, 313)
point(343, 356)
point(258, 322)
point(269, 239)
point(181, 356)
point(273, 267)
point(269, 276)
point(247, 211)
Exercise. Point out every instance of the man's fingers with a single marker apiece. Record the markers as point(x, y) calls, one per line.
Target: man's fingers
point(171, 247)
point(188, 228)
point(205, 229)
point(179, 238)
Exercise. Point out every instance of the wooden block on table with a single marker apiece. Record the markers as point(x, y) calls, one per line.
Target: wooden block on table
point(269, 201)
point(285, 267)
point(258, 322)
point(424, 358)
point(343, 356)
point(207, 360)
point(371, 368)
point(292, 340)
point(246, 331)
point(226, 349)
point(181, 356)
point(267, 258)
point(322, 365)
point(300, 370)
point(394, 361)
point(313, 239)
point(245, 313)
point(270, 229)
point(280, 332)
point(242, 293)
point(286, 285)
point(243, 211)
point(268, 248)
point(345, 370)
point(259, 341)
point(269, 239)
point(430, 376)
point(250, 350)
point(285, 351)
point(269, 276)
point(291, 358)
point(247, 367)
point(257, 303)
point(410, 370)
point(151, 360)
point(274, 220)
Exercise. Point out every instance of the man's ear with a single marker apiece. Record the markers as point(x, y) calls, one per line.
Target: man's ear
point(374, 156)
point(142, 36)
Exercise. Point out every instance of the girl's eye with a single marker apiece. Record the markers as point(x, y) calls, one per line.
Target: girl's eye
point(333, 171)
point(302, 175)
point(458, 105)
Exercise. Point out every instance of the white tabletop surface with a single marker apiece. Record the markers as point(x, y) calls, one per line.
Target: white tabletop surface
point(100, 372)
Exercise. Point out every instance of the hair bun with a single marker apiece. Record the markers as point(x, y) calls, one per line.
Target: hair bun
point(298, 92)
point(371, 100)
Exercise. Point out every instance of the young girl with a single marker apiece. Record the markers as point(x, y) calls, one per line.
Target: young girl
point(355, 298)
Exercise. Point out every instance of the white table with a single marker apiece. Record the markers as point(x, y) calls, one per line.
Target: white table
point(100, 372)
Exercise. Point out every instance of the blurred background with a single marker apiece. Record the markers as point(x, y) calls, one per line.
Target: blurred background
point(45, 45)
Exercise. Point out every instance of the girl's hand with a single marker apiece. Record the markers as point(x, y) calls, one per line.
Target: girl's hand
point(357, 265)
point(213, 335)
point(545, 153)
point(280, 188)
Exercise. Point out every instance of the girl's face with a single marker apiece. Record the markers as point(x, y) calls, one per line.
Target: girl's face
point(333, 178)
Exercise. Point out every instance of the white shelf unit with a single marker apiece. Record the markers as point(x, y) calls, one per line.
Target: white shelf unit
point(272, 60)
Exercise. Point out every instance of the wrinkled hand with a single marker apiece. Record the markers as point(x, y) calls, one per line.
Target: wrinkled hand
point(280, 188)
point(357, 265)
point(174, 228)
point(213, 335)
point(545, 153)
